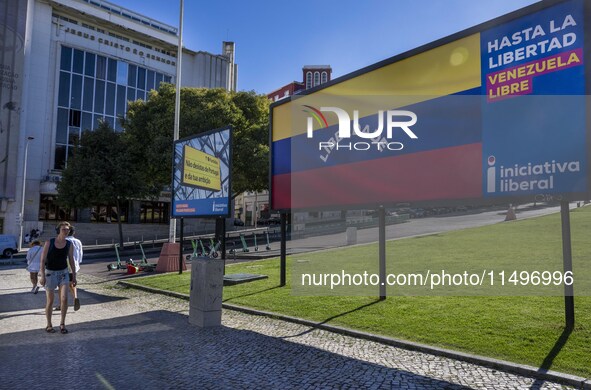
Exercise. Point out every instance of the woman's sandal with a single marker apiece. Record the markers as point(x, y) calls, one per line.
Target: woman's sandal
point(49, 329)
point(63, 329)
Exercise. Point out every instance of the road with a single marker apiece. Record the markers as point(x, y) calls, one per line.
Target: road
point(412, 228)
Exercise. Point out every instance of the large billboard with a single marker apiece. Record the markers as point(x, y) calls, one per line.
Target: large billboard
point(493, 114)
point(202, 175)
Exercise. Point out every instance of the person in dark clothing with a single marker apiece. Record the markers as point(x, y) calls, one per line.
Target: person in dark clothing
point(54, 273)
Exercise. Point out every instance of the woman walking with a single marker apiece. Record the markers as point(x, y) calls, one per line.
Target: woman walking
point(57, 252)
point(34, 263)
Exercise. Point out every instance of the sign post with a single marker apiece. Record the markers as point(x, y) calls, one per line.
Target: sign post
point(201, 188)
point(569, 294)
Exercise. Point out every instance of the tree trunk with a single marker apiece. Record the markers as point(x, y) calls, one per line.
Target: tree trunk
point(120, 226)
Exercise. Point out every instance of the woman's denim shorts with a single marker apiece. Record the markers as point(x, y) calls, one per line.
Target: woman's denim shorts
point(53, 279)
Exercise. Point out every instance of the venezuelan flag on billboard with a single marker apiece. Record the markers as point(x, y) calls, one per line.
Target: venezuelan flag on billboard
point(491, 114)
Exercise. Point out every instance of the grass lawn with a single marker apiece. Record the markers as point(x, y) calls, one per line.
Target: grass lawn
point(499, 323)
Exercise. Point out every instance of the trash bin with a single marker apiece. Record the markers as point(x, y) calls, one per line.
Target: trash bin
point(207, 282)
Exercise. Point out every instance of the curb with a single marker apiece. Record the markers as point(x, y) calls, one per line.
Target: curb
point(502, 365)
point(13, 261)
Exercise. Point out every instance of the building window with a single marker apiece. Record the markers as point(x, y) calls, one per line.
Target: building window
point(154, 212)
point(324, 78)
point(76, 92)
point(121, 73)
point(150, 80)
point(89, 64)
point(109, 213)
point(132, 76)
point(66, 59)
point(62, 126)
point(308, 80)
point(141, 78)
point(101, 67)
point(93, 88)
point(50, 211)
point(64, 90)
point(99, 97)
point(78, 66)
point(112, 73)
point(316, 78)
point(87, 94)
point(74, 119)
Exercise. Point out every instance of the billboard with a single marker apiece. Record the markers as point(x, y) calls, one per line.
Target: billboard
point(493, 114)
point(202, 175)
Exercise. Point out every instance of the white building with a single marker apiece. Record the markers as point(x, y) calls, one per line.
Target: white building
point(65, 64)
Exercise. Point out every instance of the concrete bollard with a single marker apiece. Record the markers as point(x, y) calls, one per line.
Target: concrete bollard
point(207, 282)
point(351, 236)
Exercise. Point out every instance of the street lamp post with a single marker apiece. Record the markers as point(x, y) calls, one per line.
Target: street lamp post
point(177, 113)
point(22, 213)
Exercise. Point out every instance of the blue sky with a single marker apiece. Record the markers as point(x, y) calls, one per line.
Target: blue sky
point(274, 39)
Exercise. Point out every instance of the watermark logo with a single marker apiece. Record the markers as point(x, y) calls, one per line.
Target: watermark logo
point(370, 139)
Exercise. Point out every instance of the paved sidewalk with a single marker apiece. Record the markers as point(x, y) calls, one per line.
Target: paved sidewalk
point(128, 339)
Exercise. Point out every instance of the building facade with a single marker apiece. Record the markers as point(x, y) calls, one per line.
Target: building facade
point(66, 65)
point(315, 75)
point(286, 91)
point(312, 76)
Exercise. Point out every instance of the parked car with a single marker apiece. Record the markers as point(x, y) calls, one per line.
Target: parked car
point(269, 221)
point(7, 245)
point(417, 213)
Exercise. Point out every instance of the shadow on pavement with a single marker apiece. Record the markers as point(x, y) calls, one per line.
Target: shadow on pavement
point(25, 300)
point(315, 326)
point(159, 349)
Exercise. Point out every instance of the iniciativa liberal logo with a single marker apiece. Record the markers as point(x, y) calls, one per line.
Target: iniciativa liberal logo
point(370, 139)
point(218, 207)
point(538, 176)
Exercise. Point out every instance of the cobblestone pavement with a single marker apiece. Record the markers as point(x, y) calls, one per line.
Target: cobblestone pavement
point(128, 339)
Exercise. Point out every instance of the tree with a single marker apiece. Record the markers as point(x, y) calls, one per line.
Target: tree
point(149, 126)
point(101, 170)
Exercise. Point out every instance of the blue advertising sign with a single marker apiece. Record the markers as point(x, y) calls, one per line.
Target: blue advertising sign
point(202, 175)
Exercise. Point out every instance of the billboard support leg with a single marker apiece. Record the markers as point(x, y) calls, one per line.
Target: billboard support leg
point(283, 255)
point(223, 248)
point(382, 250)
point(567, 260)
point(182, 238)
point(220, 236)
point(220, 232)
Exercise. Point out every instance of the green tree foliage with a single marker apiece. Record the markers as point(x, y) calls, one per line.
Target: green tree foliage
point(101, 171)
point(149, 127)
